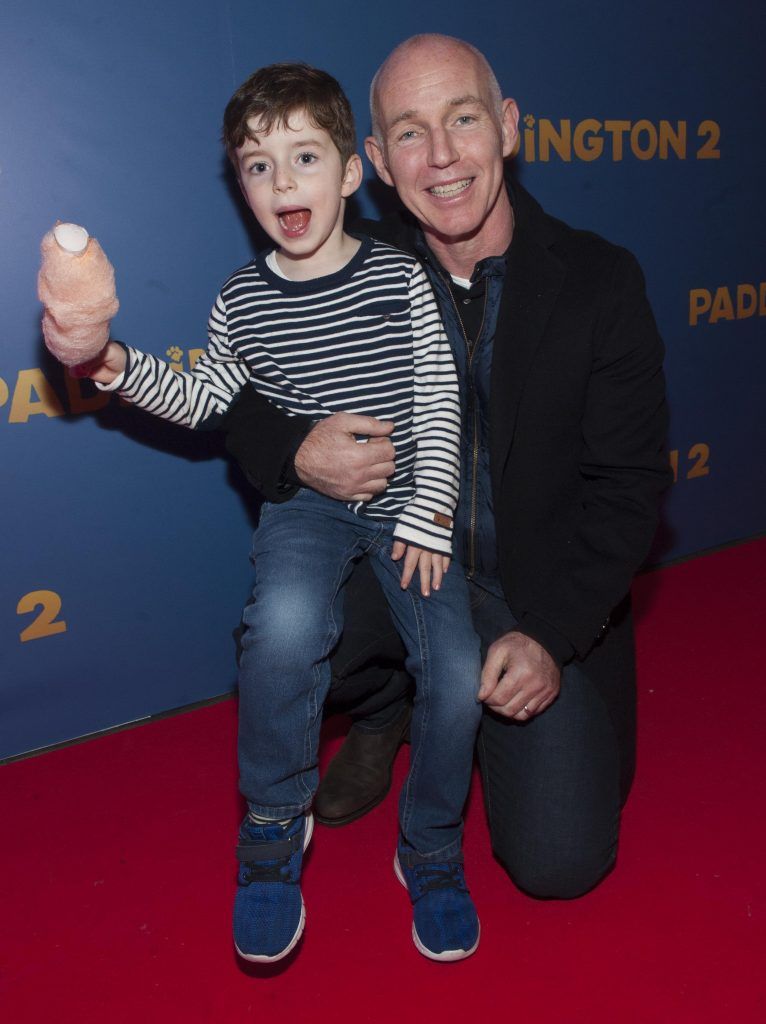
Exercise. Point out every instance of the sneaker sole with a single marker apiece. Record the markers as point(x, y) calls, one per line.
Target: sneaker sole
point(256, 958)
point(447, 955)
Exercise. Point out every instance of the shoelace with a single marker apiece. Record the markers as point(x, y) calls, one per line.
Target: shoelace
point(257, 866)
point(439, 876)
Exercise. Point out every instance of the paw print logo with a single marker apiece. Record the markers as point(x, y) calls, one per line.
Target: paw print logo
point(174, 353)
point(529, 121)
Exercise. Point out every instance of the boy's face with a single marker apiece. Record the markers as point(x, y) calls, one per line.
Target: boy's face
point(294, 183)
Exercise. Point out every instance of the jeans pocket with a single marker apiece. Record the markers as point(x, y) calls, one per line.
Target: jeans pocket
point(476, 596)
point(266, 508)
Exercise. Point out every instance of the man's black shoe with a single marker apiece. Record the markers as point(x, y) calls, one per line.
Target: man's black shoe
point(359, 776)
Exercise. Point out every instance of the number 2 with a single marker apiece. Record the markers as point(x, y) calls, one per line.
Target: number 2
point(45, 623)
point(700, 452)
point(709, 149)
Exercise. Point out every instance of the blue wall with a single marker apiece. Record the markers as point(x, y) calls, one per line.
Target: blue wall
point(111, 118)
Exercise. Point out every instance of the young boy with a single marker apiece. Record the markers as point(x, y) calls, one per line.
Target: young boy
point(330, 322)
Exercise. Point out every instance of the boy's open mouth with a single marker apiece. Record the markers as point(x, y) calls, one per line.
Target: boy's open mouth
point(294, 222)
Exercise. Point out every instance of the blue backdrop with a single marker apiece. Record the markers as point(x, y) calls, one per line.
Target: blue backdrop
point(125, 540)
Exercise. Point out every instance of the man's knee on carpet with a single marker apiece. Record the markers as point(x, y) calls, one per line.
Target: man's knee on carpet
point(556, 875)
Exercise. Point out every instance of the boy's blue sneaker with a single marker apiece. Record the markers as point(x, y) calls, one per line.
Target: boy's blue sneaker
point(268, 909)
point(445, 924)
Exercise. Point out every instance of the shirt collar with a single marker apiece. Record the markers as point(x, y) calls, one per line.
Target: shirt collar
point(490, 266)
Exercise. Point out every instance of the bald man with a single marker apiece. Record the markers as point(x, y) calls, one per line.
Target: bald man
point(564, 422)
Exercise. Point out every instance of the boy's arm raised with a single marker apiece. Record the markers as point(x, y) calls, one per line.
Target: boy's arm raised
point(76, 286)
point(195, 398)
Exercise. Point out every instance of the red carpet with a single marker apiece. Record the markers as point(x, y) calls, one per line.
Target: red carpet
point(117, 867)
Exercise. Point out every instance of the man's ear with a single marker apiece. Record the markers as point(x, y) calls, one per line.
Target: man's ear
point(352, 176)
point(509, 126)
point(374, 151)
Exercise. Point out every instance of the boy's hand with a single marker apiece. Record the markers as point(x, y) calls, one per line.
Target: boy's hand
point(108, 364)
point(432, 566)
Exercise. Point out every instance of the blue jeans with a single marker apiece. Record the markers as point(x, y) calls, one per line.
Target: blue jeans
point(304, 550)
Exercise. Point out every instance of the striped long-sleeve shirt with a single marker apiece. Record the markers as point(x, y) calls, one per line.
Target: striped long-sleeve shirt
point(367, 339)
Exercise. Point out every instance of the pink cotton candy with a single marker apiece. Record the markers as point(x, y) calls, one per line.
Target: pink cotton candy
point(77, 290)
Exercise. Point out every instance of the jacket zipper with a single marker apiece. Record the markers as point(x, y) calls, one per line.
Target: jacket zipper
point(470, 349)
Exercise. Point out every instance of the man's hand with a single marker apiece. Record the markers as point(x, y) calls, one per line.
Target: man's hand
point(333, 462)
point(519, 679)
point(432, 566)
point(108, 364)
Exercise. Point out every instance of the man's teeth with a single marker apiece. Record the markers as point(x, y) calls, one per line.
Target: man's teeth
point(452, 189)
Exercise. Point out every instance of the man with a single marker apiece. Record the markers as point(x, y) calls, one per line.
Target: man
point(564, 420)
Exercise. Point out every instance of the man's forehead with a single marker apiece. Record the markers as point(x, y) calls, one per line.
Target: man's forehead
point(432, 74)
point(448, 102)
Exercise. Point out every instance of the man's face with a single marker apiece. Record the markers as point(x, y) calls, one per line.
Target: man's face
point(443, 140)
point(294, 183)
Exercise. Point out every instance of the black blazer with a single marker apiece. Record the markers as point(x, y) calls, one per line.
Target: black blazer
point(577, 422)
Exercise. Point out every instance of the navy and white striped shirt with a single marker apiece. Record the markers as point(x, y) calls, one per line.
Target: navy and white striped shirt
point(367, 339)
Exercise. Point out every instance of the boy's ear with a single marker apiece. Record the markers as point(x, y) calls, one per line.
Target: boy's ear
point(352, 176)
point(377, 158)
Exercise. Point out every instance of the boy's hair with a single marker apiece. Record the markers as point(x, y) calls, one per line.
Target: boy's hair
point(271, 94)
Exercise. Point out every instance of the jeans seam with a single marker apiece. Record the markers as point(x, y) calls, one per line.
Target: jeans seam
point(425, 663)
point(312, 708)
point(485, 773)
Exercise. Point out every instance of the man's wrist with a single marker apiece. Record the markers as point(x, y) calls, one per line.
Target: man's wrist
point(549, 638)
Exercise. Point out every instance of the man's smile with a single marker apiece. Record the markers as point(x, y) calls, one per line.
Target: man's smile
point(451, 188)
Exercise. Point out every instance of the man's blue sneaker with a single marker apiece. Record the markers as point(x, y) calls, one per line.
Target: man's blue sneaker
point(268, 908)
point(445, 925)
